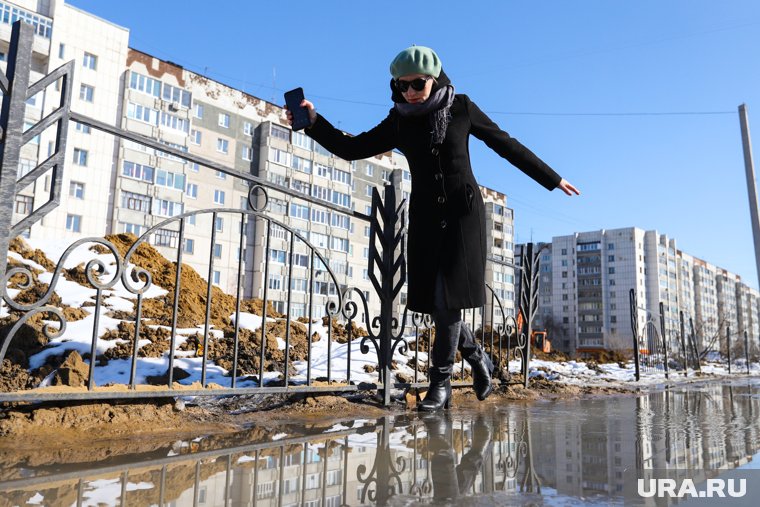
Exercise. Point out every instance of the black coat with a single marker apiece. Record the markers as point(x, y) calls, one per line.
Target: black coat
point(447, 228)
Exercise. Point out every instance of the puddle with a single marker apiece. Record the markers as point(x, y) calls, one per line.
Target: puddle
point(573, 452)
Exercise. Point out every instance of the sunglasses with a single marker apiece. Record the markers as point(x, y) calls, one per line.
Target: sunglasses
point(416, 84)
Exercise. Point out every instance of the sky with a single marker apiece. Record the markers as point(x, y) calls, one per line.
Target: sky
point(589, 85)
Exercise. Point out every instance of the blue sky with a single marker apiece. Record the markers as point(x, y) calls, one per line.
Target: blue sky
point(528, 64)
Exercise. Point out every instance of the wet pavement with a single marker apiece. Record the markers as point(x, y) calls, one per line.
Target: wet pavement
point(566, 452)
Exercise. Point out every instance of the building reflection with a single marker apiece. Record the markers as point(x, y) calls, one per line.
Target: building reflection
point(578, 449)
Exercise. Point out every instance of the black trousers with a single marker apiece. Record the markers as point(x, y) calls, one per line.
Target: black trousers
point(450, 331)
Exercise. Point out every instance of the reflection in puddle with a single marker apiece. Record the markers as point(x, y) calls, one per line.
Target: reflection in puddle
point(565, 452)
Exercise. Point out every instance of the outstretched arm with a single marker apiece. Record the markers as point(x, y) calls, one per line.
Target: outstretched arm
point(380, 139)
point(511, 149)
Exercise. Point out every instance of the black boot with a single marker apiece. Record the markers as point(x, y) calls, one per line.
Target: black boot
point(472, 461)
point(439, 392)
point(480, 363)
point(442, 456)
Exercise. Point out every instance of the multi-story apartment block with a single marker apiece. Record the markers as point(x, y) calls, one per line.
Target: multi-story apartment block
point(593, 272)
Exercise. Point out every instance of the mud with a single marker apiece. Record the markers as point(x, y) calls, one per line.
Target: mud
point(193, 290)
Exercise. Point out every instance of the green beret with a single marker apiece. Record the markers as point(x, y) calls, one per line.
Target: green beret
point(416, 60)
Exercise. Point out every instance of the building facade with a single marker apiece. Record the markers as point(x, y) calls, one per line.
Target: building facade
point(591, 274)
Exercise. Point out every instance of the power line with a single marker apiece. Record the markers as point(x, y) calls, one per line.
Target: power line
point(643, 113)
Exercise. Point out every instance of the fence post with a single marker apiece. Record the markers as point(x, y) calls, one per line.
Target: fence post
point(391, 262)
point(635, 330)
point(528, 300)
point(14, 85)
point(694, 344)
point(664, 338)
point(683, 345)
point(728, 347)
point(746, 349)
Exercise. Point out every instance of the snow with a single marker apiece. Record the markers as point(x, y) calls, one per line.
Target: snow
point(106, 491)
point(36, 499)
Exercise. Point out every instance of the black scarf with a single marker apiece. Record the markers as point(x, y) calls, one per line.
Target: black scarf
point(436, 107)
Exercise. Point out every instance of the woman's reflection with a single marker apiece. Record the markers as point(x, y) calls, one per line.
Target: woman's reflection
point(449, 479)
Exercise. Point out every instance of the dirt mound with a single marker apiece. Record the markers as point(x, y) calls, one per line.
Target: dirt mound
point(554, 355)
point(193, 290)
point(340, 332)
point(221, 351)
point(159, 341)
point(608, 356)
point(73, 372)
point(20, 246)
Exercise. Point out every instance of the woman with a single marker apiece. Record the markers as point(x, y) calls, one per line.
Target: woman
point(446, 249)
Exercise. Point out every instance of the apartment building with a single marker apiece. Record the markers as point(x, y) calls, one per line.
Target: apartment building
point(591, 274)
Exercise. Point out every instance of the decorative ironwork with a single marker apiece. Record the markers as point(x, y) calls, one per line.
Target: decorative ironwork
point(16, 91)
point(528, 306)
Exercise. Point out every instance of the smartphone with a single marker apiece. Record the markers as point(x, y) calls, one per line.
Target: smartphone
point(293, 100)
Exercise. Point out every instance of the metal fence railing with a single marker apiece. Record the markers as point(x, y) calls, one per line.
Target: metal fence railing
point(253, 358)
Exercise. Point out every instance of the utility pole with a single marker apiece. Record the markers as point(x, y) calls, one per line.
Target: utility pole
point(751, 187)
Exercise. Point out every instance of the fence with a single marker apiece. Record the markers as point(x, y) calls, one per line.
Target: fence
point(254, 364)
point(658, 349)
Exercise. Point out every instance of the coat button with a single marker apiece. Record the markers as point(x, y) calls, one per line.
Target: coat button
point(443, 224)
point(438, 176)
point(441, 199)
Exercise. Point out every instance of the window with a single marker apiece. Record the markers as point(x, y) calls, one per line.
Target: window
point(81, 127)
point(341, 199)
point(248, 128)
point(366, 231)
point(144, 84)
point(340, 244)
point(299, 211)
point(217, 250)
point(275, 282)
point(192, 190)
point(369, 190)
point(301, 164)
point(222, 145)
point(175, 122)
point(24, 204)
point(341, 176)
point(80, 157)
point(198, 110)
point(86, 93)
point(610, 246)
point(217, 277)
point(610, 258)
point(279, 156)
point(219, 224)
point(189, 247)
point(74, 223)
point(76, 190)
point(137, 171)
point(167, 208)
point(277, 256)
point(178, 96)
point(61, 51)
point(247, 153)
point(370, 170)
point(90, 61)
point(611, 271)
point(279, 132)
point(195, 136)
point(170, 180)
point(142, 113)
point(137, 202)
point(224, 120)
point(302, 140)
point(340, 221)
point(165, 237)
point(135, 229)
point(218, 196)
